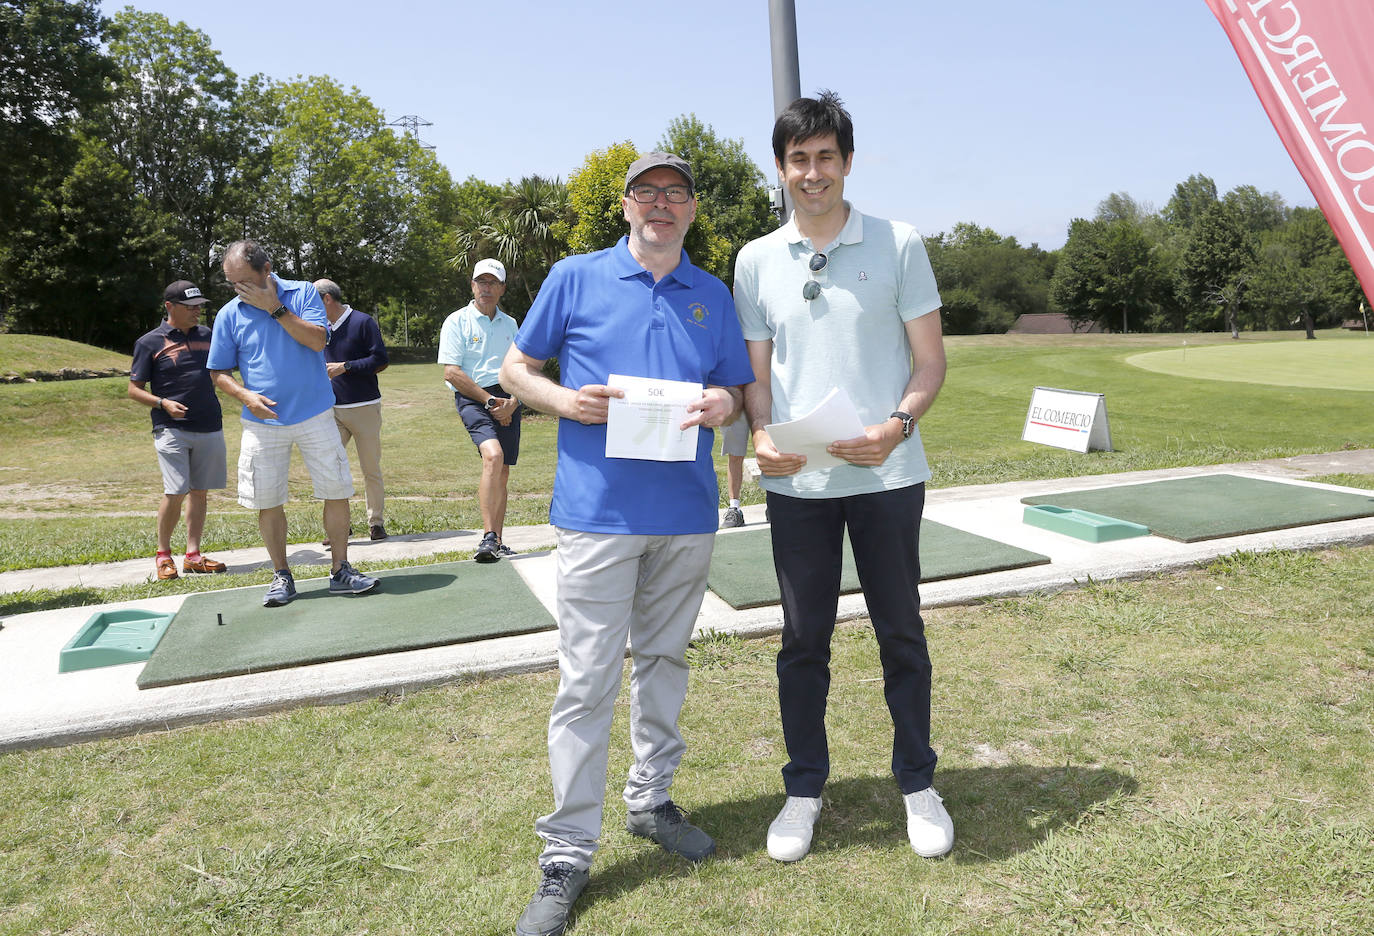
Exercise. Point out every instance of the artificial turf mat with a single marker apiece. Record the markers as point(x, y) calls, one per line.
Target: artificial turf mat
point(420, 606)
point(742, 563)
point(1212, 506)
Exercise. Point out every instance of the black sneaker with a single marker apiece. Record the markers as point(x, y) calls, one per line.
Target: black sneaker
point(489, 549)
point(665, 825)
point(547, 913)
point(376, 532)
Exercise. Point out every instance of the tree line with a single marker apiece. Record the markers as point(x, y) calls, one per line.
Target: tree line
point(1240, 261)
point(133, 154)
point(1244, 260)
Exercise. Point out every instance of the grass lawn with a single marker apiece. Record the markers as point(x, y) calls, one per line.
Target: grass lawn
point(79, 482)
point(1331, 365)
point(33, 354)
point(1187, 754)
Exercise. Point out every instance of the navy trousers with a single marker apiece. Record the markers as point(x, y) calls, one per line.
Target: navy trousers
point(884, 529)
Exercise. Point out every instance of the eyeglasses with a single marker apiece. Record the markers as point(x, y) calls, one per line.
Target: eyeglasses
point(648, 194)
point(811, 289)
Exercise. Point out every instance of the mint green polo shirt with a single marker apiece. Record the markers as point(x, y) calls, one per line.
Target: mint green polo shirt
point(853, 335)
point(476, 343)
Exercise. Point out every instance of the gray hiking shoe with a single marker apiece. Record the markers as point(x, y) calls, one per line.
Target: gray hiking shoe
point(489, 549)
point(547, 913)
point(349, 581)
point(665, 825)
point(734, 517)
point(281, 591)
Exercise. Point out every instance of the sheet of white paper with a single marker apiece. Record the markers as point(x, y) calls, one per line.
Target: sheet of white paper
point(833, 419)
point(644, 423)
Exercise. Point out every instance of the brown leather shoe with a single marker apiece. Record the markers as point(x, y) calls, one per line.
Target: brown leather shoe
point(166, 569)
point(203, 564)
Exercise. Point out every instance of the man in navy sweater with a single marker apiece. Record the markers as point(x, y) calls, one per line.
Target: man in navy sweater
point(354, 357)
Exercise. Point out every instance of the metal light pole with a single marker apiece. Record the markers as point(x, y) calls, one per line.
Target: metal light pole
point(782, 28)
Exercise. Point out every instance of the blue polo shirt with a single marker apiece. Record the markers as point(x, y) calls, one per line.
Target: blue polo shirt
point(269, 360)
point(602, 314)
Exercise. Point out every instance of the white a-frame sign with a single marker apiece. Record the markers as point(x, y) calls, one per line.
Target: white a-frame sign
point(1068, 419)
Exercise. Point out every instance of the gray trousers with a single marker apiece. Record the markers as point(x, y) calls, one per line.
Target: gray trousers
point(613, 588)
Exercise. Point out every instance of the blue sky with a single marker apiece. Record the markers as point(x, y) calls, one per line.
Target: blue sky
point(1017, 116)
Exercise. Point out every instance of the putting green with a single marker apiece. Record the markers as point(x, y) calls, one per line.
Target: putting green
point(1332, 364)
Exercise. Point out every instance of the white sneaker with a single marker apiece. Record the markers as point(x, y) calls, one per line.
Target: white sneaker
point(928, 825)
point(789, 837)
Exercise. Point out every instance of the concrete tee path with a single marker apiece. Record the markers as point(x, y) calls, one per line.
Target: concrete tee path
point(39, 707)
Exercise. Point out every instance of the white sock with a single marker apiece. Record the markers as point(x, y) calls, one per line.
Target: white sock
point(734, 502)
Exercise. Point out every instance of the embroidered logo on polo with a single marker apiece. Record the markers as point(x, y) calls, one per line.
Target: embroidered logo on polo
point(862, 276)
point(697, 314)
point(172, 350)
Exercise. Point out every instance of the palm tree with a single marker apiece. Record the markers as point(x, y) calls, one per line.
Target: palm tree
point(526, 230)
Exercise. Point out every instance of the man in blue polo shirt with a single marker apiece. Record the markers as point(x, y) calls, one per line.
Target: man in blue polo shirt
point(472, 344)
point(634, 534)
point(169, 376)
point(274, 332)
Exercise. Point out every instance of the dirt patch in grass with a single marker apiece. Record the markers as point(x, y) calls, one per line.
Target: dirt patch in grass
point(29, 497)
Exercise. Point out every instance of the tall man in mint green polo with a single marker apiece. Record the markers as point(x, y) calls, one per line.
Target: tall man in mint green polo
point(472, 344)
point(836, 298)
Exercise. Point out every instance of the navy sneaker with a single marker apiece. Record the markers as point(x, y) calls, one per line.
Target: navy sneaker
point(505, 552)
point(547, 913)
point(489, 550)
point(281, 591)
point(665, 825)
point(349, 581)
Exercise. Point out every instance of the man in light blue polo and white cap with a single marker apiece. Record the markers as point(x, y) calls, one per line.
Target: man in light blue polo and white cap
point(472, 344)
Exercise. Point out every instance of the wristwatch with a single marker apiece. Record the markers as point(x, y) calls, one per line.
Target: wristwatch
point(493, 401)
point(279, 311)
point(908, 422)
point(346, 367)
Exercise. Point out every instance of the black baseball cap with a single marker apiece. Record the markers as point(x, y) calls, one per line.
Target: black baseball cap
point(184, 292)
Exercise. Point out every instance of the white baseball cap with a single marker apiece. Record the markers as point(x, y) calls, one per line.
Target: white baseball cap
point(494, 267)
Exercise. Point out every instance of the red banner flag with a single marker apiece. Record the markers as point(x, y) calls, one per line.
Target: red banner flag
point(1310, 64)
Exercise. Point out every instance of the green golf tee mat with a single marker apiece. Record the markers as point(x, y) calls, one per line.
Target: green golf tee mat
point(742, 564)
point(228, 633)
point(1214, 506)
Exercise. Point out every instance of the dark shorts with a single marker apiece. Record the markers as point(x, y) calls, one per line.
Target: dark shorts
point(482, 427)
